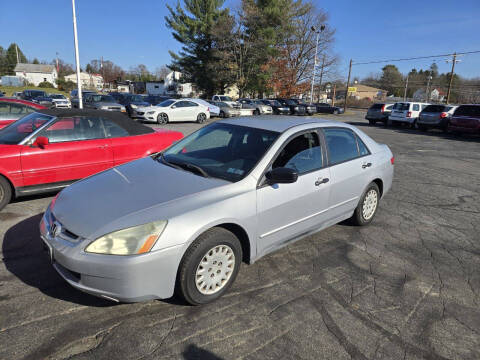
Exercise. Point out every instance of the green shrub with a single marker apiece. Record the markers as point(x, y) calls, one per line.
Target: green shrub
point(45, 84)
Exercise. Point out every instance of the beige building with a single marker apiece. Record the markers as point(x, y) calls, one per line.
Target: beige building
point(89, 81)
point(363, 91)
point(36, 73)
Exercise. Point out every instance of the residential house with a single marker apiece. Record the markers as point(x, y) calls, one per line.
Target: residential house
point(434, 95)
point(155, 87)
point(89, 81)
point(36, 73)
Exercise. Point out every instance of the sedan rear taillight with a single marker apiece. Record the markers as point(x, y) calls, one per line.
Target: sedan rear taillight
point(409, 114)
point(383, 108)
point(392, 160)
point(443, 115)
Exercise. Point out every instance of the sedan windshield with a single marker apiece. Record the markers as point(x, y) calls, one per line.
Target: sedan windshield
point(103, 98)
point(57, 96)
point(222, 151)
point(19, 130)
point(225, 98)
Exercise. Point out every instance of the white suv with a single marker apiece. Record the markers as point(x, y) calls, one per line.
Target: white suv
point(406, 112)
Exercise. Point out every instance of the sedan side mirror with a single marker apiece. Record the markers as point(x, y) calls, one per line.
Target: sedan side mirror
point(41, 142)
point(173, 106)
point(281, 175)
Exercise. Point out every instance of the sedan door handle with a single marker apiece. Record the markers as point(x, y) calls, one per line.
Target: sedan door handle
point(364, 166)
point(321, 181)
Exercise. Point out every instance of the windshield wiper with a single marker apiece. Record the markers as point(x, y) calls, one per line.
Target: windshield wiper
point(190, 167)
point(185, 166)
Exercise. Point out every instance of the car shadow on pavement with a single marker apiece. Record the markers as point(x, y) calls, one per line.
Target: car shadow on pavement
point(193, 352)
point(432, 132)
point(25, 257)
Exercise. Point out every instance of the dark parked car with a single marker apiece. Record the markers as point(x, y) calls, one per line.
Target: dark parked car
point(277, 107)
point(295, 109)
point(310, 109)
point(132, 102)
point(466, 119)
point(31, 95)
point(328, 109)
point(435, 116)
point(378, 112)
point(74, 96)
point(155, 99)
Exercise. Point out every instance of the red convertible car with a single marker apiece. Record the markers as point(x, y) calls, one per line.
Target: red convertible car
point(50, 149)
point(13, 109)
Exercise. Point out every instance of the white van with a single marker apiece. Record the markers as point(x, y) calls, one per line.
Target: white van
point(406, 112)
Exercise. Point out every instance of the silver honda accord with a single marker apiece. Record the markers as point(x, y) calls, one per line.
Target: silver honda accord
point(233, 191)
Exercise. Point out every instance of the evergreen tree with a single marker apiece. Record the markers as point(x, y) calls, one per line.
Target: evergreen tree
point(193, 25)
point(11, 58)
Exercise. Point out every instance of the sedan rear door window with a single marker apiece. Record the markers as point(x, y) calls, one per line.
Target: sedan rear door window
point(341, 145)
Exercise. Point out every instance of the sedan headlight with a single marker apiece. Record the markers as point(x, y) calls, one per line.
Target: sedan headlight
point(135, 240)
point(133, 106)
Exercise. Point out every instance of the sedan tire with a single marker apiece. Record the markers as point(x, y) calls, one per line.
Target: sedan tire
point(367, 206)
point(162, 118)
point(209, 266)
point(5, 192)
point(201, 118)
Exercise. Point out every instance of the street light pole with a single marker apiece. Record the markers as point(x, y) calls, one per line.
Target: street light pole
point(427, 95)
point(314, 64)
point(77, 57)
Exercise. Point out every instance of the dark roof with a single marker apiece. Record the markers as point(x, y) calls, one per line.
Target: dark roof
point(122, 120)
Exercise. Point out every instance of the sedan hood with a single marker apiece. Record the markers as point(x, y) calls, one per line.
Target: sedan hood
point(90, 205)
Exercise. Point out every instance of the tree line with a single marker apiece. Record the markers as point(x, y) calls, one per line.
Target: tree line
point(391, 79)
point(263, 47)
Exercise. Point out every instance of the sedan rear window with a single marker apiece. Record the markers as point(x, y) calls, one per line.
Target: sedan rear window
point(376, 106)
point(468, 110)
point(435, 108)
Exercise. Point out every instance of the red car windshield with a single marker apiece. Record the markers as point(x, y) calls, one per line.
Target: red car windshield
point(19, 130)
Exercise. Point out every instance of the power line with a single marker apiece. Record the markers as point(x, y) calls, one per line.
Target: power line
point(413, 58)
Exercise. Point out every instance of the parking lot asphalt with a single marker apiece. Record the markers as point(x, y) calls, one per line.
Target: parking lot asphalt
point(405, 287)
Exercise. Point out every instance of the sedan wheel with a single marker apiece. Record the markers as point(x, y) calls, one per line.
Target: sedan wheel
point(201, 118)
point(215, 269)
point(335, 112)
point(209, 266)
point(367, 206)
point(5, 192)
point(162, 118)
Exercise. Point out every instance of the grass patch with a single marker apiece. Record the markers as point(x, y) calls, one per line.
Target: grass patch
point(9, 90)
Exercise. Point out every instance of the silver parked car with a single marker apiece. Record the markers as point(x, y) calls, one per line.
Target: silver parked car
point(234, 190)
point(226, 110)
point(102, 102)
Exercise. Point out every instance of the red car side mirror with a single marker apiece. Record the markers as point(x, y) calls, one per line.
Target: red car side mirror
point(41, 142)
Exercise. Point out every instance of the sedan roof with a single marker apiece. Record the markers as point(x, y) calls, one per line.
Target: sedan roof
point(280, 124)
point(120, 119)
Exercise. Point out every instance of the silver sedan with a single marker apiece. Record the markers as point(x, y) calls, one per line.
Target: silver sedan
point(233, 191)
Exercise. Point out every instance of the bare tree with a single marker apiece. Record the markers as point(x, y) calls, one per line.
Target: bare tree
point(161, 72)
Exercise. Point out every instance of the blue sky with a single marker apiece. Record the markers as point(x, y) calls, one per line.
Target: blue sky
point(133, 32)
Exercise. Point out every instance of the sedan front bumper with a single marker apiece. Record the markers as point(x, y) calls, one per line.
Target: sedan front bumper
point(118, 278)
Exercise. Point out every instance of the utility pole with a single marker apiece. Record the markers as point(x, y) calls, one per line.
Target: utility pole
point(77, 57)
point(405, 92)
point(348, 85)
point(334, 92)
point(451, 76)
point(57, 62)
point(16, 49)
